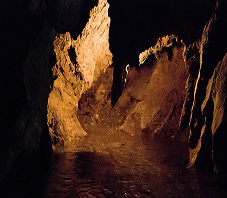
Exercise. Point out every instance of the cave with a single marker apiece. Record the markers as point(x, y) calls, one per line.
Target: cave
point(113, 98)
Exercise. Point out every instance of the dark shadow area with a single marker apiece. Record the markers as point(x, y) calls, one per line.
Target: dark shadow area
point(220, 146)
point(86, 6)
point(204, 160)
point(72, 55)
point(29, 28)
point(20, 28)
point(136, 25)
point(27, 177)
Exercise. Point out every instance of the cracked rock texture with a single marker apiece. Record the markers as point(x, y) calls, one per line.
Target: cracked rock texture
point(152, 100)
point(159, 98)
point(78, 63)
point(208, 109)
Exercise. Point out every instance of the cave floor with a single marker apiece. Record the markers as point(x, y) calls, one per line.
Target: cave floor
point(110, 163)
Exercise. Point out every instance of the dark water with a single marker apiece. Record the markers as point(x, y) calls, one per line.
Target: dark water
point(114, 164)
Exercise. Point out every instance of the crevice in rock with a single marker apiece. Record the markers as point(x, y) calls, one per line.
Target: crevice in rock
point(72, 55)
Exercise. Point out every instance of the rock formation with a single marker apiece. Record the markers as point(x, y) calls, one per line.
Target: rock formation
point(136, 25)
point(159, 102)
point(78, 63)
point(44, 56)
point(200, 24)
point(151, 102)
point(208, 108)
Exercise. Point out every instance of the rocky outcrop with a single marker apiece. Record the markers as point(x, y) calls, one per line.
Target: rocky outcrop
point(191, 58)
point(208, 108)
point(136, 25)
point(152, 100)
point(200, 24)
point(159, 101)
point(78, 63)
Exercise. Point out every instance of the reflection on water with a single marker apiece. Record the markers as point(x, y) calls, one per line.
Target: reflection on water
point(114, 164)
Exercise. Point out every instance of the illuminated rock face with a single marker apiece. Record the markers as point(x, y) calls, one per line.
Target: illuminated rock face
point(159, 98)
point(203, 33)
point(151, 102)
point(136, 25)
point(78, 63)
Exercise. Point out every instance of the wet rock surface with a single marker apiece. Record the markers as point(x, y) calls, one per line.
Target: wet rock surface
point(112, 164)
point(109, 163)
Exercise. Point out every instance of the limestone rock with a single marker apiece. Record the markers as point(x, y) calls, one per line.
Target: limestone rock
point(209, 93)
point(160, 98)
point(78, 63)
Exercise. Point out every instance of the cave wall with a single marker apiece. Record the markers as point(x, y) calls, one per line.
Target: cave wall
point(207, 141)
point(78, 63)
point(151, 102)
point(136, 25)
point(201, 26)
point(159, 96)
point(208, 88)
point(25, 80)
point(29, 28)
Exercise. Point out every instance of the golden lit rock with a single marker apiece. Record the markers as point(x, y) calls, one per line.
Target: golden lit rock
point(78, 63)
